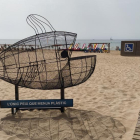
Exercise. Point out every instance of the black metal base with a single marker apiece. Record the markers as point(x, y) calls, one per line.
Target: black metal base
point(15, 110)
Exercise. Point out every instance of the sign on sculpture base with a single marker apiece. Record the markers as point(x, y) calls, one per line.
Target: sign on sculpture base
point(36, 104)
point(17, 104)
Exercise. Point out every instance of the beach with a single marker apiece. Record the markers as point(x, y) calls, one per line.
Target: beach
point(105, 107)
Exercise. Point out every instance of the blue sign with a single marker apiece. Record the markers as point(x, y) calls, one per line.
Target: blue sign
point(36, 103)
point(129, 47)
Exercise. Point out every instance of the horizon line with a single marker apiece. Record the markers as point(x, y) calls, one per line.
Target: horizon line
point(84, 39)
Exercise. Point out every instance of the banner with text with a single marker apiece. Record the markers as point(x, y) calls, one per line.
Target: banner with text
point(36, 103)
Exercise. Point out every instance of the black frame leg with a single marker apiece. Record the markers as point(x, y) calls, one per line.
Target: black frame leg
point(14, 110)
point(62, 97)
point(16, 95)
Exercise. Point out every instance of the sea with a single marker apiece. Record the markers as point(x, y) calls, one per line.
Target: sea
point(113, 42)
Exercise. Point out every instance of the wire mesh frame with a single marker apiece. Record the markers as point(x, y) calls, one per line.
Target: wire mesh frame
point(32, 62)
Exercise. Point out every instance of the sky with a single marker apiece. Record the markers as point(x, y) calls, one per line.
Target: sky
point(90, 19)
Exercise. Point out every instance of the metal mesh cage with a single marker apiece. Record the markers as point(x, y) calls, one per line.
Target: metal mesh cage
point(43, 61)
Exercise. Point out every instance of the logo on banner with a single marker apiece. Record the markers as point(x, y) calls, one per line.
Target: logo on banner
point(129, 47)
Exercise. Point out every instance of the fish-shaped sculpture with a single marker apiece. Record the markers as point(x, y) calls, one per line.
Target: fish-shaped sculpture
point(43, 61)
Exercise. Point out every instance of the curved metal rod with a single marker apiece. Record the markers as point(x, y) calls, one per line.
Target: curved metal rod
point(50, 26)
point(39, 23)
point(35, 22)
point(42, 24)
point(31, 25)
point(46, 20)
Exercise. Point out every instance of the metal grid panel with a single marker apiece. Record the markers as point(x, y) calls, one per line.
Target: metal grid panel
point(40, 61)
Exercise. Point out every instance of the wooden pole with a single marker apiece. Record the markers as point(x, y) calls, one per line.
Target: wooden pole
point(109, 47)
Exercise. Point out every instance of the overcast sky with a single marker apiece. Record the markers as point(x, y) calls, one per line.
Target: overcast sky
point(90, 19)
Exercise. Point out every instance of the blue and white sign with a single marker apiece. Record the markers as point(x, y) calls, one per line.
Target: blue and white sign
point(129, 47)
point(36, 103)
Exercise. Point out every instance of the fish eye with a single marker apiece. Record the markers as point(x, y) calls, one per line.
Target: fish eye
point(64, 54)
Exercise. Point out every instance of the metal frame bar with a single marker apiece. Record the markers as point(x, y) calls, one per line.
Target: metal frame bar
point(15, 110)
point(32, 64)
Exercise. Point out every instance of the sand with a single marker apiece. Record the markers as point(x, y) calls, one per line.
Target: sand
point(105, 107)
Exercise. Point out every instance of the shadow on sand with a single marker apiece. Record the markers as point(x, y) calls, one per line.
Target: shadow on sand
point(53, 125)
